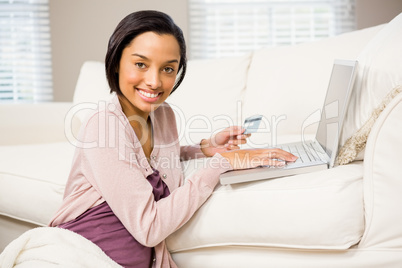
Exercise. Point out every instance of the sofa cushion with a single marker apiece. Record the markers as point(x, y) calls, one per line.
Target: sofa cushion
point(288, 84)
point(380, 70)
point(32, 180)
point(320, 210)
point(91, 88)
point(210, 97)
point(92, 84)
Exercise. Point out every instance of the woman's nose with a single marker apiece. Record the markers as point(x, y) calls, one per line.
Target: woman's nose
point(152, 79)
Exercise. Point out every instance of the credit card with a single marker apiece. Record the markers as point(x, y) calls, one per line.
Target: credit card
point(252, 123)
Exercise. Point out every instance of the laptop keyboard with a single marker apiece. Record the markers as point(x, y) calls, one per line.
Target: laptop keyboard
point(305, 152)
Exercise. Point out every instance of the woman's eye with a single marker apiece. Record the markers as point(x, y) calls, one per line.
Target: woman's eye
point(169, 70)
point(140, 65)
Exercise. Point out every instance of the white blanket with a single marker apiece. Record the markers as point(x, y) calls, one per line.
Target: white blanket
point(50, 247)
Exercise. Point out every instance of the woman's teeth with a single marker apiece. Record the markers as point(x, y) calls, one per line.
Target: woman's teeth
point(148, 95)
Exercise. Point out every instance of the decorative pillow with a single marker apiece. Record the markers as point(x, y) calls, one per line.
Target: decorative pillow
point(355, 144)
point(380, 70)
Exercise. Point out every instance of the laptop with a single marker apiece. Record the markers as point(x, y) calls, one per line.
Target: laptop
point(317, 154)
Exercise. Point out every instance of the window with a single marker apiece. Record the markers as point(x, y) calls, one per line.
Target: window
point(25, 55)
point(220, 28)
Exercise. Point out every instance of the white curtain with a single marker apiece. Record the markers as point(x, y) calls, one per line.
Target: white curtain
point(220, 28)
point(25, 51)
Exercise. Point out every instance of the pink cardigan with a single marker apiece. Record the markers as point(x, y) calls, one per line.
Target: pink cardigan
point(109, 164)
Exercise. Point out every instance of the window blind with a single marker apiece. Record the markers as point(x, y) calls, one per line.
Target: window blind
point(220, 28)
point(25, 52)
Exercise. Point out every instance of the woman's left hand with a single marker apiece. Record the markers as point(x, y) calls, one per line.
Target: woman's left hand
point(228, 139)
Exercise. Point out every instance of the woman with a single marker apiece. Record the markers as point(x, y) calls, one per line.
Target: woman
point(126, 192)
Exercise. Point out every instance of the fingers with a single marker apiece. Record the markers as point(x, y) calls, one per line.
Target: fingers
point(271, 157)
point(231, 146)
point(235, 136)
point(248, 158)
point(235, 131)
point(240, 139)
point(228, 134)
point(280, 154)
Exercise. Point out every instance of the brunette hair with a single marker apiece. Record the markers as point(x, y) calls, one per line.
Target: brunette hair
point(130, 27)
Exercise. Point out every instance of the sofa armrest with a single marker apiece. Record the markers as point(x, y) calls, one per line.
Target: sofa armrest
point(33, 123)
point(383, 180)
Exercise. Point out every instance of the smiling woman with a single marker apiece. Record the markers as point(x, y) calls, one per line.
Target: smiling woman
point(123, 36)
point(120, 194)
point(147, 72)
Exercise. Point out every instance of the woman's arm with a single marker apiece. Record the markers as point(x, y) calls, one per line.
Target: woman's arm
point(188, 152)
point(113, 169)
point(223, 141)
point(117, 170)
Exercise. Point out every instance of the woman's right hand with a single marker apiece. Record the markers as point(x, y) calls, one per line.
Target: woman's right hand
point(251, 158)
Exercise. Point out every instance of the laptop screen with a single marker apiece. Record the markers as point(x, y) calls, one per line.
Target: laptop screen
point(336, 101)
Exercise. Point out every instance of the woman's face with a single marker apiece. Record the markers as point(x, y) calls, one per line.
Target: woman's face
point(147, 72)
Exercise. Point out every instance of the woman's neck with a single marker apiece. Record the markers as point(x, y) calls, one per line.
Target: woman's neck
point(140, 123)
point(131, 111)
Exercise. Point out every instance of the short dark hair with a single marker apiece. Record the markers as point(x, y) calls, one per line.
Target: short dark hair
point(130, 27)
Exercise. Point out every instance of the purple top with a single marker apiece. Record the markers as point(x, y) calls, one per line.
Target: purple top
point(101, 226)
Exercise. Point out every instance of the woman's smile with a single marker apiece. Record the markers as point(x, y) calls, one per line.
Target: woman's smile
point(149, 96)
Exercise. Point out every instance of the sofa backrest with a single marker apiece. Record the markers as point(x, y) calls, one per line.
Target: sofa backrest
point(91, 88)
point(91, 85)
point(210, 97)
point(288, 85)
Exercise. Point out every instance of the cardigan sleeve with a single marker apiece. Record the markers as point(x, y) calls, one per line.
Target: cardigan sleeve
point(110, 168)
point(188, 152)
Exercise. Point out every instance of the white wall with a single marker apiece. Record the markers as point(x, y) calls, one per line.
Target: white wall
point(80, 30)
point(374, 12)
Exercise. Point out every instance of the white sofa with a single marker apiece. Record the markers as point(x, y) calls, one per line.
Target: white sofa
point(348, 216)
